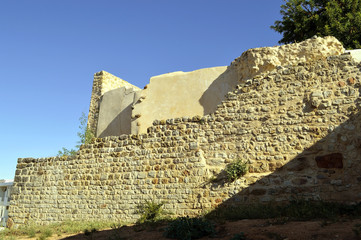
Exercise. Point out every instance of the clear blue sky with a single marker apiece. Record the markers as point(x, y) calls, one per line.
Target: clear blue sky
point(49, 51)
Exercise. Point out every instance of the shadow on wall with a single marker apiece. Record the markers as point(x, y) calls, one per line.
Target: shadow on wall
point(217, 91)
point(115, 112)
point(329, 170)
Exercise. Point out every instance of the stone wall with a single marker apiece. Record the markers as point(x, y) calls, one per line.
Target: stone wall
point(260, 60)
point(180, 94)
point(297, 126)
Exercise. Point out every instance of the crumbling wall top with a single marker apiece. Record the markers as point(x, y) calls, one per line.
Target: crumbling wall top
point(257, 60)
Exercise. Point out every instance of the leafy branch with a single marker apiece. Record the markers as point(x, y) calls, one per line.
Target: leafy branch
point(85, 136)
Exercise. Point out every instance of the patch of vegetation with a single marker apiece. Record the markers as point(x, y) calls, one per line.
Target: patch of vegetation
point(236, 169)
point(85, 137)
point(302, 19)
point(31, 232)
point(85, 134)
point(7, 238)
point(151, 212)
point(43, 232)
point(185, 228)
point(66, 152)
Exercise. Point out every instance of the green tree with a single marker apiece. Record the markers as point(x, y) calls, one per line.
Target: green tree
point(302, 19)
point(85, 136)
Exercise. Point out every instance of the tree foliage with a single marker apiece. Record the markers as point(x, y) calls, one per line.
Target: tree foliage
point(85, 136)
point(302, 19)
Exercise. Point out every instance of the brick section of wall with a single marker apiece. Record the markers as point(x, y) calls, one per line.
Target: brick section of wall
point(282, 123)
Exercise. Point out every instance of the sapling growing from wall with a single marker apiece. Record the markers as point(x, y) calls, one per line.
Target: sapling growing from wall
point(85, 136)
point(236, 169)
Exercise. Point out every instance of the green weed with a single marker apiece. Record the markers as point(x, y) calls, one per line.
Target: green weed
point(236, 170)
point(31, 232)
point(46, 233)
point(67, 227)
point(85, 137)
point(151, 212)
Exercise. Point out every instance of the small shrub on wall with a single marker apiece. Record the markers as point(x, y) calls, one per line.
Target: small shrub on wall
point(236, 169)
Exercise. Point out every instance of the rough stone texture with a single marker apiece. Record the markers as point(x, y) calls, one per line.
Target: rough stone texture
point(259, 60)
point(279, 121)
point(181, 94)
point(333, 160)
point(103, 82)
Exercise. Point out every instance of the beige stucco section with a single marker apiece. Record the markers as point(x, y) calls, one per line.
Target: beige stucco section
point(115, 112)
point(181, 94)
point(103, 83)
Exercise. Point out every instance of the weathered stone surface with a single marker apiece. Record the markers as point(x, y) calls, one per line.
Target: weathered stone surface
point(180, 94)
point(333, 160)
point(271, 126)
point(260, 60)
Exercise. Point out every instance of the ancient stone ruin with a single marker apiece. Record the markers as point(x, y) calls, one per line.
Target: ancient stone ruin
point(291, 112)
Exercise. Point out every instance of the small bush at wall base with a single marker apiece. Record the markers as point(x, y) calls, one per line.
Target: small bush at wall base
point(236, 170)
point(151, 212)
point(185, 228)
point(44, 232)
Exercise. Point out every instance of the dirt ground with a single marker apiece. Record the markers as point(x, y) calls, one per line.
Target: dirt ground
point(341, 229)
